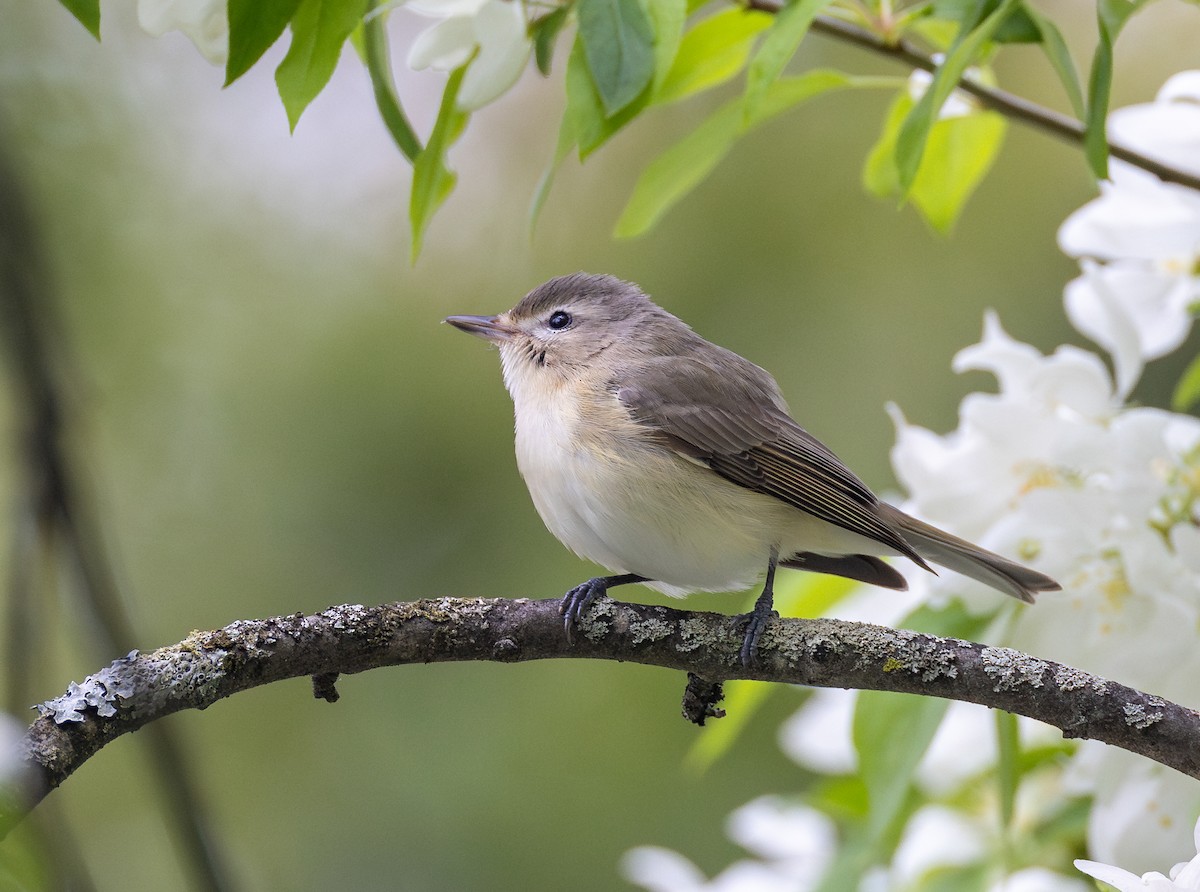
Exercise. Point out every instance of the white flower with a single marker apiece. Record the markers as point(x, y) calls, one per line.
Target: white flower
point(1037, 879)
point(935, 837)
point(1184, 876)
point(1146, 234)
point(958, 104)
point(15, 770)
point(795, 845)
point(494, 29)
point(1167, 128)
point(1031, 436)
point(818, 735)
point(1051, 471)
point(1142, 812)
point(204, 21)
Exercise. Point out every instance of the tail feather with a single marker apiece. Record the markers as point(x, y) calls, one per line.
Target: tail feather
point(970, 560)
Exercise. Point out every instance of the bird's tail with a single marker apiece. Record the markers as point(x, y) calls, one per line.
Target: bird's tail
point(970, 560)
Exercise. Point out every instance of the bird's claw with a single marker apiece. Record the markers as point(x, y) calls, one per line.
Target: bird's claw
point(756, 624)
point(576, 602)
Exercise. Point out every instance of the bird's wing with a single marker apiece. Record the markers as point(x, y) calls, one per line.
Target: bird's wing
point(730, 416)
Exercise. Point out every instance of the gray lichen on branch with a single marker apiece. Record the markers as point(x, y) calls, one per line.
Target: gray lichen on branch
point(208, 666)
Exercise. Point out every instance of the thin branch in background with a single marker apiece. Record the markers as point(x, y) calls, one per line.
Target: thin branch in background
point(208, 666)
point(1038, 117)
point(56, 512)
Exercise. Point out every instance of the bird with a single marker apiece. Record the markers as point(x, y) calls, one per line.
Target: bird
point(675, 463)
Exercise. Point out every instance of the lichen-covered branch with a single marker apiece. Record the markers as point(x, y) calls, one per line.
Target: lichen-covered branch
point(209, 666)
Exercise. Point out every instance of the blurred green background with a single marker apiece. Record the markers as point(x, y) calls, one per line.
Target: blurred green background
point(273, 420)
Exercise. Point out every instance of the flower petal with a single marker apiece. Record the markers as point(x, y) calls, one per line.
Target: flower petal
point(504, 48)
point(444, 46)
point(205, 22)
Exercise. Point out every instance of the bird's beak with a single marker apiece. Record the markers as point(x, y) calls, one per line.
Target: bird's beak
point(494, 328)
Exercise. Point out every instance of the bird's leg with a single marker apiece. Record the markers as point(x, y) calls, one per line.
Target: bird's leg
point(763, 611)
point(576, 602)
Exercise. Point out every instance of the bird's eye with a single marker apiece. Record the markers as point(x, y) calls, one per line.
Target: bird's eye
point(559, 320)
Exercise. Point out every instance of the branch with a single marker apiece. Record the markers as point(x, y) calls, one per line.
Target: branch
point(209, 666)
point(55, 509)
point(1036, 116)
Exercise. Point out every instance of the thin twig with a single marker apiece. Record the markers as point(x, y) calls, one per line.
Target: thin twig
point(57, 508)
point(209, 666)
point(1008, 104)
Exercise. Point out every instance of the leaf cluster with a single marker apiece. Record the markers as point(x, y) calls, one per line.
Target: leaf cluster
point(628, 57)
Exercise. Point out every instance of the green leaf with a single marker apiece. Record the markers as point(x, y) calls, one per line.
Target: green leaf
point(432, 180)
point(966, 878)
point(880, 176)
point(843, 798)
point(1111, 17)
point(958, 154)
point(544, 31)
point(87, 12)
point(668, 18)
point(951, 621)
point(1055, 48)
point(1008, 772)
point(589, 122)
point(741, 702)
point(618, 44)
point(712, 52)
point(892, 731)
point(678, 170)
point(1018, 27)
point(254, 25)
point(566, 141)
point(1187, 391)
point(790, 26)
point(319, 28)
point(910, 144)
point(585, 110)
point(379, 67)
point(1095, 139)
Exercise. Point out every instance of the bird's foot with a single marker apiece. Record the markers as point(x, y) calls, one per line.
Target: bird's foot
point(756, 623)
point(576, 602)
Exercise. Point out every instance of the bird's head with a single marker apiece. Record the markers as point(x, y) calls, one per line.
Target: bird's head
point(573, 325)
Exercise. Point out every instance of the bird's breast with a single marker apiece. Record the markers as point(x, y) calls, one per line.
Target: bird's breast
point(612, 494)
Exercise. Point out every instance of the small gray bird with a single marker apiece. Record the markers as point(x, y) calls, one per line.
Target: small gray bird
point(674, 462)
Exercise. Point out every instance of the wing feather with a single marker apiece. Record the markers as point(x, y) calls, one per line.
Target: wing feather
point(728, 414)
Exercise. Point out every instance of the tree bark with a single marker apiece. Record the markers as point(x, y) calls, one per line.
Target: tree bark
point(209, 666)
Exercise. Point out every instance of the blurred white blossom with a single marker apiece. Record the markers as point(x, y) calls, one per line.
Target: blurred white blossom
point(794, 844)
point(1038, 879)
point(935, 837)
point(818, 735)
point(1057, 470)
point(205, 22)
point(1183, 876)
point(1054, 471)
point(1139, 242)
point(494, 31)
point(958, 104)
point(1142, 812)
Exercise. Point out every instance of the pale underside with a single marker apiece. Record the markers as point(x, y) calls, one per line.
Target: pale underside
point(613, 495)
